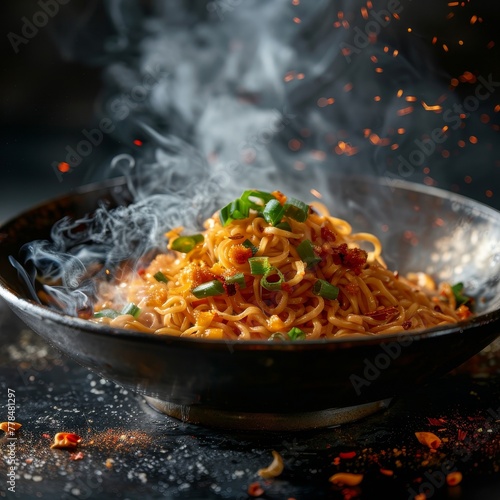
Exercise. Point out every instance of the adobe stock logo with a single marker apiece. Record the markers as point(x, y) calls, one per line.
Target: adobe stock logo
point(40, 19)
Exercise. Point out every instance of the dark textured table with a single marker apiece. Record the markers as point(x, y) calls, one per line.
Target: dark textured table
point(130, 451)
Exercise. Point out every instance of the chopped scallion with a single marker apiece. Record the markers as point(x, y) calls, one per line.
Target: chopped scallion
point(307, 254)
point(272, 285)
point(325, 290)
point(273, 212)
point(131, 309)
point(238, 279)
point(185, 244)
point(296, 333)
point(285, 226)
point(240, 208)
point(296, 209)
point(159, 276)
point(259, 265)
point(248, 244)
point(460, 298)
point(208, 289)
point(107, 313)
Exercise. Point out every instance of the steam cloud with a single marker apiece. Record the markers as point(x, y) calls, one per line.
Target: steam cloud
point(239, 94)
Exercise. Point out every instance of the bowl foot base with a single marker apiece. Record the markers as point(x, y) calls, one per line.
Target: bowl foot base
point(247, 421)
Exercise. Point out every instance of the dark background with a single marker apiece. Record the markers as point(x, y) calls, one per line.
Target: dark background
point(50, 90)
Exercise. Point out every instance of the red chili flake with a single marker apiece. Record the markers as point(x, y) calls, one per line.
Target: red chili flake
point(327, 234)
point(351, 288)
point(347, 455)
point(406, 325)
point(138, 142)
point(238, 254)
point(383, 314)
point(76, 456)
point(454, 478)
point(255, 489)
point(387, 472)
point(63, 167)
point(435, 421)
point(141, 272)
point(461, 435)
point(46, 436)
point(230, 288)
point(353, 258)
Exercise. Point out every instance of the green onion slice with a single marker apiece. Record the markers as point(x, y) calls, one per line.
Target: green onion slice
point(273, 212)
point(296, 333)
point(240, 208)
point(272, 285)
point(296, 209)
point(285, 226)
point(107, 313)
point(325, 290)
point(185, 244)
point(237, 279)
point(457, 290)
point(208, 289)
point(259, 265)
point(248, 244)
point(159, 276)
point(131, 309)
point(307, 254)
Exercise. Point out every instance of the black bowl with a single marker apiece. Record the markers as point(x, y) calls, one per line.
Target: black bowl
point(258, 384)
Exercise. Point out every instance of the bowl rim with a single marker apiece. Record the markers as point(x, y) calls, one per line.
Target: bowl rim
point(16, 301)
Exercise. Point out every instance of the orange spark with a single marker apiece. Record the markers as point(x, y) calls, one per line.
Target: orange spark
point(377, 98)
point(300, 76)
point(468, 179)
point(394, 146)
point(374, 138)
point(434, 107)
point(348, 87)
point(473, 19)
point(453, 4)
point(445, 47)
point(405, 111)
point(294, 144)
point(461, 144)
point(379, 70)
point(316, 193)
point(473, 139)
point(411, 98)
point(289, 76)
point(364, 12)
point(445, 153)
point(401, 131)
point(63, 167)
point(489, 193)
point(374, 59)
point(434, 40)
point(395, 53)
point(400, 92)
point(297, 20)
point(485, 118)
point(496, 108)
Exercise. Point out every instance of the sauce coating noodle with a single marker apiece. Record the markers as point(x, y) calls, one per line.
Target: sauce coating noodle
point(370, 299)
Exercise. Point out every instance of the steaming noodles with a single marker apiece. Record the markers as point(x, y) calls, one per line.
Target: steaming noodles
point(271, 267)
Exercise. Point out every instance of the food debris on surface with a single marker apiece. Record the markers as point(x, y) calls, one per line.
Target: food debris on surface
point(274, 469)
point(66, 440)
